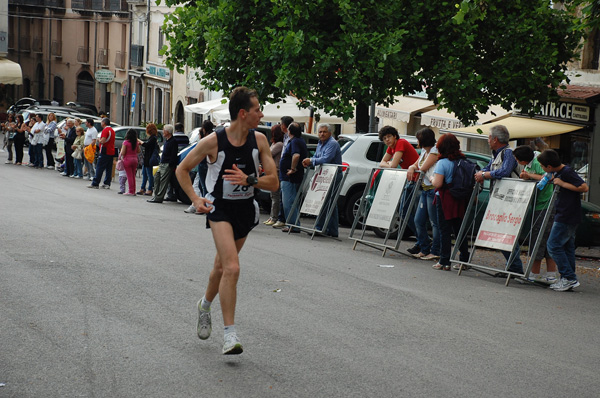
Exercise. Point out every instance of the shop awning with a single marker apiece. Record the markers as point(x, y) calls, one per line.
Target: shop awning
point(10, 72)
point(402, 109)
point(445, 120)
point(518, 127)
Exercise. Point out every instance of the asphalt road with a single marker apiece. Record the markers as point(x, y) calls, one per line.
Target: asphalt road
point(98, 295)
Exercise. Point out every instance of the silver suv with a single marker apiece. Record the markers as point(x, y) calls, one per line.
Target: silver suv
point(362, 152)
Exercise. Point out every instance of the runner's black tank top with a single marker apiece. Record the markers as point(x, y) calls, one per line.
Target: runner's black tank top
point(245, 157)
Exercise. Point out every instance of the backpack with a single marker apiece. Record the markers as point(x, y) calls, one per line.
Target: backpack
point(463, 179)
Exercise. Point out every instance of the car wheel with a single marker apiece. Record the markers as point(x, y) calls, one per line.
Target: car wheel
point(382, 232)
point(351, 208)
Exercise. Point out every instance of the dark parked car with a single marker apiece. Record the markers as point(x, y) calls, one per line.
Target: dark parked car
point(120, 132)
point(25, 103)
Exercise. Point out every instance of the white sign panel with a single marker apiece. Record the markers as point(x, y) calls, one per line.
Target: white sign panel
point(504, 215)
point(388, 193)
point(317, 191)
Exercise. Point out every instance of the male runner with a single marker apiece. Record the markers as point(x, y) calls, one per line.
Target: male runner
point(234, 154)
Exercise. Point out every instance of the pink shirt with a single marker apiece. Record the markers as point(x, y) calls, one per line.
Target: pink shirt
point(129, 152)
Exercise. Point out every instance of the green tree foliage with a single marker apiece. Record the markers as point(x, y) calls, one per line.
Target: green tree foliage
point(335, 54)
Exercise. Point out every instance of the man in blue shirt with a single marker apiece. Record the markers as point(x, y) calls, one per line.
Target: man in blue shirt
point(502, 165)
point(328, 152)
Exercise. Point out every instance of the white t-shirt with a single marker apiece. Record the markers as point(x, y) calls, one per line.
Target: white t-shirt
point(90, 135)
point(428, 173)
point(38, 136)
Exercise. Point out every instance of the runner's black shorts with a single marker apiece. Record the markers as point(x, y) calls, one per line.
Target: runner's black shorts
point(241, 214)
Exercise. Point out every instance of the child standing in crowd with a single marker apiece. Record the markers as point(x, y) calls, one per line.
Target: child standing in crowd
point(78, 153)
point(122, 181)
point(561, 242)
point(525, 156)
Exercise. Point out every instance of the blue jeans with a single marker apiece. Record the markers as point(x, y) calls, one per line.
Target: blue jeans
point(517, 264)
point(105, 163)
point(288, 193)
point(561, 247)
point(38, 159)
point(426, 211)
point(148, 177)
point(409, 188)
point(78, 167)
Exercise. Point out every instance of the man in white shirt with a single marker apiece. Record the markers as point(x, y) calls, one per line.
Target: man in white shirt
point(90, 139)
point(38, 142)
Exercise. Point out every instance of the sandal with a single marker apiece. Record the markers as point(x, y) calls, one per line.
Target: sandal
point(437, 266)
point(420, 255)
point(447, 267)
point(141, 192)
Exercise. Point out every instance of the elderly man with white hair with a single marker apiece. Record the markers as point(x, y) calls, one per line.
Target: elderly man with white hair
point(328, 152)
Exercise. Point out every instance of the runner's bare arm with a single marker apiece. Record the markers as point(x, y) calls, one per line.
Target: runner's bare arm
point(206, 147)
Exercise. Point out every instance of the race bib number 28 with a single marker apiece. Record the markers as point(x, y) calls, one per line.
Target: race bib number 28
point(237, 192)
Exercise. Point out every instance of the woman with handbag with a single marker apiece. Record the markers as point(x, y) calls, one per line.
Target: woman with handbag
point(128, 155)
point(20, 130)
point(151, 159)
point(78, 153)
point(48, 139)
point(10, 131)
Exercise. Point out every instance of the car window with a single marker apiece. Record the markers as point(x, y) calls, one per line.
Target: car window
point(375, 151)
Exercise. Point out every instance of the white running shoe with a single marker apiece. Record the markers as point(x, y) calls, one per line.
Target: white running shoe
point(232, 345)
point(204, 327)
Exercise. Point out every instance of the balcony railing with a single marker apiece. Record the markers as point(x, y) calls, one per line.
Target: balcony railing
point(83, 55)
point(24, 43)
point(120, 60)
point(56, 48)
point(118, 6)
point(137, 56)
point(54, 3)
point(87, 5)
point(26, 2)
point(103, 57)
point(37, 45)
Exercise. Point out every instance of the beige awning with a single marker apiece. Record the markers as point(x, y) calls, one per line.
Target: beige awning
point(10, 72)
point(519, 127)
point(403, 108)
point(445, 120)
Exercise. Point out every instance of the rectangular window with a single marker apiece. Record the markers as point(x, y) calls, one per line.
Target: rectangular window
point(161, 40)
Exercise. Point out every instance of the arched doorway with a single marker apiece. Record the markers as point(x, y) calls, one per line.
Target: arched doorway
point(179, 118)
point(39, 81)
point(85, 88)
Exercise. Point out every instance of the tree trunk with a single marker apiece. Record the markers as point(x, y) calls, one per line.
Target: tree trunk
point(362, 118)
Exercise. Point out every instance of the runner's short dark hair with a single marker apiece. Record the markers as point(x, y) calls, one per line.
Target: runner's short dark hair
point(240, 98)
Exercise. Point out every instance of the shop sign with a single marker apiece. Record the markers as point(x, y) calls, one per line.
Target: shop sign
point(446, 124)
point(157, 71)
point(566, 111)
point(104, 76)
point(384, 113)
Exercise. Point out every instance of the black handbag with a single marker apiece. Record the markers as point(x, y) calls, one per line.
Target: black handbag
point(155, 158)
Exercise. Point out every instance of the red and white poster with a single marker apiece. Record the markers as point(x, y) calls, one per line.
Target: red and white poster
point(317, 191)
point(505, 214)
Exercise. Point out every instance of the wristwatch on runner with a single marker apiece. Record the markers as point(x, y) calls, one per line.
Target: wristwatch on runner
point(252, 180)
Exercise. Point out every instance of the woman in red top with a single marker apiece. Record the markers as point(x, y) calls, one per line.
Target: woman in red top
point(399, 152)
